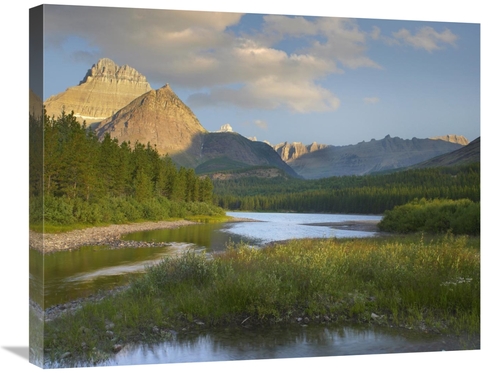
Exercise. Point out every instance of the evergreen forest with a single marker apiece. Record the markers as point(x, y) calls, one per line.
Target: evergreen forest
point(75, 178)
point(368, 194)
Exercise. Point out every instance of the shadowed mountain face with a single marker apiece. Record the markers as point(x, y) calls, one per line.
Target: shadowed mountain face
point(470, 153)
point(161, 119)
point(367, 157)
point(226, 151)
point(105, 89)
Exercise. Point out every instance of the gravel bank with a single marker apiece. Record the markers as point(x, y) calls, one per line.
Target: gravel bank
point(109, 236)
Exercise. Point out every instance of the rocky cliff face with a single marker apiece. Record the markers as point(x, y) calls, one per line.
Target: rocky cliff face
point(105, 89)
point(452, 138)
point(159, 118)
point(291, 151)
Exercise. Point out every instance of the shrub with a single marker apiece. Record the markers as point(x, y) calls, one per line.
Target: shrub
point(434, 216)
point(66, 211)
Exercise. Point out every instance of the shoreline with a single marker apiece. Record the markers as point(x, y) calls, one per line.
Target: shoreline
point(109, 235)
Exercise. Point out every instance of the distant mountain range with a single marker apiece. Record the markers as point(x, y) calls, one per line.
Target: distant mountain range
point(118, 100)
point(389, 153)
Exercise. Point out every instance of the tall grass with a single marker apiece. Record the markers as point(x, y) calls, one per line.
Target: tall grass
point(414, 282)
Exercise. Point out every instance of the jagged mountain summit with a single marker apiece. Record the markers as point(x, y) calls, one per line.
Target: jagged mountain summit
point(389, 153)
point(457, 139)
point(105, 89)
point(290, 151)
point(160, 118)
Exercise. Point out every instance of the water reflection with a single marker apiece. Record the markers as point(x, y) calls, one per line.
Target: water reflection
point(278, 342)
point(67, 275)
point(210, 237)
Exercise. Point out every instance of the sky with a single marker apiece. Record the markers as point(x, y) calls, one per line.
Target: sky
point(281, 77)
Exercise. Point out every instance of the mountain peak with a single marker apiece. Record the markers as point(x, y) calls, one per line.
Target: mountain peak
point(106, 68)
point(457, 139)
point(104, 90)
point(158, 117)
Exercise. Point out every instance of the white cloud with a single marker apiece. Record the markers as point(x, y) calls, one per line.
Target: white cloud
point(270, 93)
point(197, 51)
point(375, 34)
point(261, 124)
point(426, 38)
point(335, 39)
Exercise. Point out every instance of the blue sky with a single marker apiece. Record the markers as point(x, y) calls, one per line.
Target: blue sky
point(284, 77)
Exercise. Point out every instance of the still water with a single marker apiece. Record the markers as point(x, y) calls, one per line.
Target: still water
point(282, 342)
point(265, 228)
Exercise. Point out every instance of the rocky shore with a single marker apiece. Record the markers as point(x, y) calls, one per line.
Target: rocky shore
point(109, 236)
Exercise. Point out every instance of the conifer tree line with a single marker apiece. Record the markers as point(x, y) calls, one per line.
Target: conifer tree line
point(369, 194)
point(76, 166)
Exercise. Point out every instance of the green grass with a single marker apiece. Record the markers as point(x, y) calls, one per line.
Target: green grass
point(209, 219)
point(426, 283)
point(60, 228)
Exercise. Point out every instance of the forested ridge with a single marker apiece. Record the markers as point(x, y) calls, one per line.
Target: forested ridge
point(82, 179)
point(369, 194)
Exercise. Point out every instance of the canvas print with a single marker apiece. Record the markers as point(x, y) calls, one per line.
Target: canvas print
point(215, 186)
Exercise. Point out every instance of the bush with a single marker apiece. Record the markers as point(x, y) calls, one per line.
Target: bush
point(58, 210)
point(116, 210)
point(434, 216)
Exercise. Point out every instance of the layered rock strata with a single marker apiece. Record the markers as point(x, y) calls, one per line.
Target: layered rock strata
point(105, 89)
point(290, 151)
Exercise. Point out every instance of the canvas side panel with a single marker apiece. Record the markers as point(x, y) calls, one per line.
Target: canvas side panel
point(36, 273)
